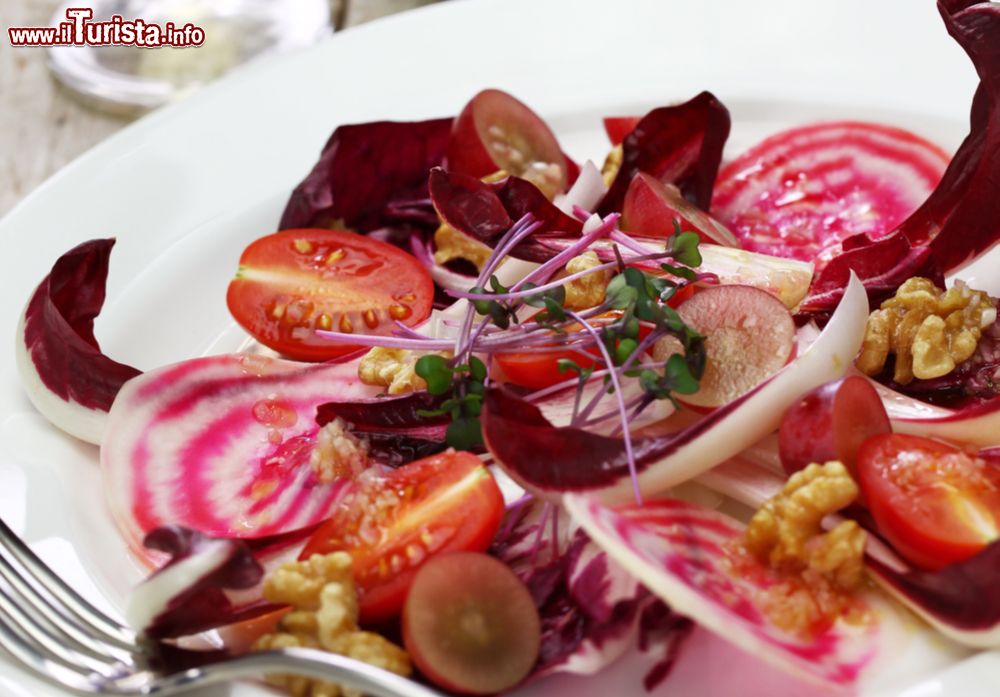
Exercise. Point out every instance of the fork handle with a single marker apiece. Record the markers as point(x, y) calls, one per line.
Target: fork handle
point(321, 665)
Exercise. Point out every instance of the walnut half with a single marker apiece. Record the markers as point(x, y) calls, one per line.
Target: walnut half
point(786, 532)
point(324, 615)
point(929, 330)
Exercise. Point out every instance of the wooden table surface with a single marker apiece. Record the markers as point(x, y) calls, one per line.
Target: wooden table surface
point(42, 127)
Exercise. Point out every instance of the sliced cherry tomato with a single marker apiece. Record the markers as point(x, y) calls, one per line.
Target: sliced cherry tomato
point(294, 282)
point(470, 625)
point(495, 131)
point(540, 369)
point(617, 127)
point(802, 192)
point(391, 524)
point(936, 504)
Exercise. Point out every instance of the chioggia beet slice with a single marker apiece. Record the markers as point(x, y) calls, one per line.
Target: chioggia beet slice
point(685, 555)
point(223, 444)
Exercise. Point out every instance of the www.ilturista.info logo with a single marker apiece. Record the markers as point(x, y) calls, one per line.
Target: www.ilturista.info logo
point(80, 30)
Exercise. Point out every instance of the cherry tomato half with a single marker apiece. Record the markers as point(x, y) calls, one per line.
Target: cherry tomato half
point(936, 504)
point(392, 524)
point(540, 369)
point(294, 282)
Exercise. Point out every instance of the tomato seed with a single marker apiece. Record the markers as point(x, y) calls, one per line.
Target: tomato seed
point(399, 311)
point(303, 246)
point(345, 325)
point(371, 318)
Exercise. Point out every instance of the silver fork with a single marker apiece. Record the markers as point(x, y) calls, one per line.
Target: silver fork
point(53, 632)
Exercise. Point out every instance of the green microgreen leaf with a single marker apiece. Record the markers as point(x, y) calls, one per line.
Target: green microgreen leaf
point(477, 369)
point(684, 246)
point(436, 373)
point(680, 271)
point(624, 350)
point(679, 375)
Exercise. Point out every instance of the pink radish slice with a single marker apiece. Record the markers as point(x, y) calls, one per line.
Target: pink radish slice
point(749, 336)
point(786, 279)
point(683, 554)
point(802, 192)
point(222, 445)
point(651, 208)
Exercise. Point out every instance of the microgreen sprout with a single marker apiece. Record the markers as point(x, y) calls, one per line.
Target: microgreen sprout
point(464, 385)
point(633, 316)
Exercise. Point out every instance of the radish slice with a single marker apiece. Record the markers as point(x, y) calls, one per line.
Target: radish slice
point(802, 192)
point(749, 336)
point(682, 553)
point(551, 461)
point(222, 444)
point(786, 279)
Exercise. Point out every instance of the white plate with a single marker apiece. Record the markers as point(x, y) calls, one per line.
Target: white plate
point(186, 188)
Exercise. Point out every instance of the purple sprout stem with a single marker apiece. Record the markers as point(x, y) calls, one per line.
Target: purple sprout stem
point(623, 412)
point(524, 227)
point(544, 272)
point(372, 340)
point(519, 294)
point(627, 242)
point(581, 213)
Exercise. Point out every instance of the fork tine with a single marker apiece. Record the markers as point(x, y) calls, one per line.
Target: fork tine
point(71, 605)
point(50, 641)
point(33, 601)
point(50, 671)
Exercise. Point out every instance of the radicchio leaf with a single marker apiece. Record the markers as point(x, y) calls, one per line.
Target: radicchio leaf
point(395, 430)
point(882, 266)
point(679, 145)
point(188, 595)
point(592, 611)
point(371, 175)
point(65, 373)
point(485, 211)
point(958, 222)
point(961, 600)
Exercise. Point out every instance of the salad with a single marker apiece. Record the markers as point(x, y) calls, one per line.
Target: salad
point(504, 415)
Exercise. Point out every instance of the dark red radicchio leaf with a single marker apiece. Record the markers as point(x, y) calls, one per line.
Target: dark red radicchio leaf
point(882, 265)
point(197, 600)
point(396, 431)
point(961, 218)
point(58, 338)
point(679, 145)
point(370, 176)
point(592, 610)
point(486, 210)
point(962, 599)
